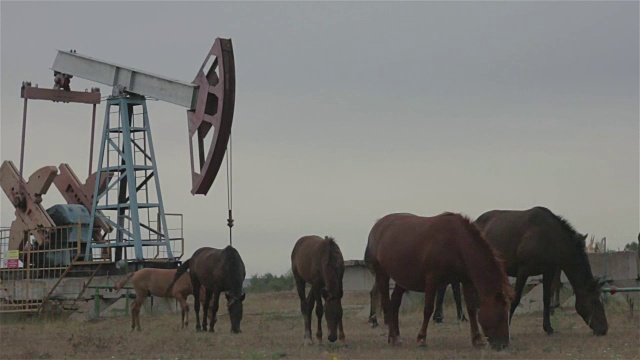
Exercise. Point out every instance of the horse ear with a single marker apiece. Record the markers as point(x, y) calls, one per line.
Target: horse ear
point(324, 293)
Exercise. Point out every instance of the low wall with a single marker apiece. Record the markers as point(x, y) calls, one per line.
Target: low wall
point(620, 268)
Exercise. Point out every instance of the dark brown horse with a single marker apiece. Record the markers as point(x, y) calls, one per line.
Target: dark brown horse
point(319, 262)
point(423, 253)
point(455, 288)
point(537, 241)
point(218, 271)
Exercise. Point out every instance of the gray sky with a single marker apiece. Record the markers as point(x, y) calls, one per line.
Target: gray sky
point(348, 111)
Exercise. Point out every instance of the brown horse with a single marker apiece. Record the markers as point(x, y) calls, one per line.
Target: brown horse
point(319, 262)
point(156, 282)
point(423, 253)
point(218, 271)
point(537, 241)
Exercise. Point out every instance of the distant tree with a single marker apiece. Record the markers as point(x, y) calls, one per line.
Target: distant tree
point(271, 283)
point(633, 246)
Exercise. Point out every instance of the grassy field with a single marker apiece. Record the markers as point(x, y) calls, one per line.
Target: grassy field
point(273, 329)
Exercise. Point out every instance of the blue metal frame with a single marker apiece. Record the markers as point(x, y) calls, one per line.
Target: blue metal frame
point(128, 170)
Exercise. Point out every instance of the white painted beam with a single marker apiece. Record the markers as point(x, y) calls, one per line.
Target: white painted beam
point(132, 80)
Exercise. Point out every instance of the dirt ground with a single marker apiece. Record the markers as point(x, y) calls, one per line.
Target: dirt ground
point(273, 329)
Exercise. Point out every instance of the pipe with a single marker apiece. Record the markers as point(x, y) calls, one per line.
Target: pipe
point(614, 289)
point(24, 131)
point(93, 126)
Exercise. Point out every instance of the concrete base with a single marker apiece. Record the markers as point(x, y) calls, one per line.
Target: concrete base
point(532, 301)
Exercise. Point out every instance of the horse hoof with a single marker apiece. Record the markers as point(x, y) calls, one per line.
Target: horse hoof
point(308, 341)
point(422, 343)
point(478, 342)
point(211, 330)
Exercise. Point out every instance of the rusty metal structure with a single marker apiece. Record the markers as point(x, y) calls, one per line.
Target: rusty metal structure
point(118, 211)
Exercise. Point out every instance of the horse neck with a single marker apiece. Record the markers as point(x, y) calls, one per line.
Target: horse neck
point(231, 266)
point(330, 270)
point(579, 274)
point(480, 268)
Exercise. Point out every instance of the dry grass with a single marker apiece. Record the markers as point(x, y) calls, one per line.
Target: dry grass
point(272, 329)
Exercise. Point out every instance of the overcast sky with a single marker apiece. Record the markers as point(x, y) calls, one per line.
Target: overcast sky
point(346, 112)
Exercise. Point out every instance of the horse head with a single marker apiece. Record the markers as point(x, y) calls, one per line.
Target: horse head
point(493, 316)
point(589, 306)
point(333, 311)
point(234, 306)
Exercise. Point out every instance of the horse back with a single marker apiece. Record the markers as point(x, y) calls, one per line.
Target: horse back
point(210, 266)
point(524, 237)
point(409, 247)
point(157, 281)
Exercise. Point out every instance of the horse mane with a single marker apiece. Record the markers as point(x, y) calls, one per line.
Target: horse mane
point(495, 261)
point(232, 260)
point(566, 225)
point(334, 254)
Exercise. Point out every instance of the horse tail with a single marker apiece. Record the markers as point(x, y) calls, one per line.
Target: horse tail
point(179, 272)
point(123, 282)
point(367, 259)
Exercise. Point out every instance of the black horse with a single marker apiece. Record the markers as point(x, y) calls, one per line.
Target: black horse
point(218, 271)
point(437, 314)
point(537, 241)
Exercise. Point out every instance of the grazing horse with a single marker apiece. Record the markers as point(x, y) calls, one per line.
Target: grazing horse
point(156, 282)
point(423, 253)
point(217, 271)
point(537, 241)
point(319, 262)
point(455, 287)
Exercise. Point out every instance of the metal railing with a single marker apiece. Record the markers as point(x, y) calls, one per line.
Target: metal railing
point(31, 276)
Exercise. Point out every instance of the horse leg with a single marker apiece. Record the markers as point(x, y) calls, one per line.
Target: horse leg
point(309, 302)
point(382, 280)
point(521, 281)
point(319, 313)
point(341, 336)
point(195, 284)
point(300, 286)
point(185, 310)
point(396, 300)
point(455, 287)
point(214, 309)
point(133, 316)
point(374, 299)
point(135, 309)
point(555, 290)
point(547, 280)
point(437, 314)
point(470, 297)
point(430, 291)
point(205, 310)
